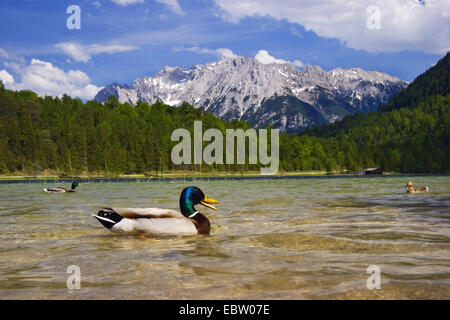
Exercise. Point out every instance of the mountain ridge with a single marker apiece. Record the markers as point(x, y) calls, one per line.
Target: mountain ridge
point(240, 87)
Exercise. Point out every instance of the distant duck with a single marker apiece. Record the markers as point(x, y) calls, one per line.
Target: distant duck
point(62, 190)
point(161, 221)
point(412, 189)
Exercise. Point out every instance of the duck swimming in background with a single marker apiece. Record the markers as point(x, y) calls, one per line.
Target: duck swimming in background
point(62, 190)
point(412, 189)
point(161, 221)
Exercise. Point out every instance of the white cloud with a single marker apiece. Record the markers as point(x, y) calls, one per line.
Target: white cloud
point(3, 53)
point(111, 48)
point(264, 57)
point(74, 50)
point(125, 3)
point(82, 53)
point(97, 4)
point(405, 24)
point(10, 56)
point(295, 32)
point(46, 79)
point(173, 5)
point(298, 63)
point(225, 53)
point(221, 52)
point(6, 77)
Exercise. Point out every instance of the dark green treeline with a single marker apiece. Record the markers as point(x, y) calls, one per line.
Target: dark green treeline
point(410, 134)
point(71, 137)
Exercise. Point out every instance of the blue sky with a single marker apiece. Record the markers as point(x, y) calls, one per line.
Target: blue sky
point(121, 40)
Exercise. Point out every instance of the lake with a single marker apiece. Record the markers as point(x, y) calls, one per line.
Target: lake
point(270, 239)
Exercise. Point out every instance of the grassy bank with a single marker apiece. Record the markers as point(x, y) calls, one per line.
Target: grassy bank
point(188, 176)
point(173, 174)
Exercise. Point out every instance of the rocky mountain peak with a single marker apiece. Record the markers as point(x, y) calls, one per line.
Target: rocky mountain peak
point(244, 88)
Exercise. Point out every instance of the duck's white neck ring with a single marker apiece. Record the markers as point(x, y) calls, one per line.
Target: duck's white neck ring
point(193, 215)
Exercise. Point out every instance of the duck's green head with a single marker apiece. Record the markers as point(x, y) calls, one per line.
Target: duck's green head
point(192, 196)
point(74, 185)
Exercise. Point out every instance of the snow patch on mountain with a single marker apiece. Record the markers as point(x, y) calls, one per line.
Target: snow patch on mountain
point(237, 87)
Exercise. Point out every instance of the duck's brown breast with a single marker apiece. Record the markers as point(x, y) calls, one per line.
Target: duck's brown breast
point(201, 223)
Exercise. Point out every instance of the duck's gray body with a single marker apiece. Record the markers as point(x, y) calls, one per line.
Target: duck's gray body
point(61, 189)
point(147, 220)
point(57, 190)
point(161, 221)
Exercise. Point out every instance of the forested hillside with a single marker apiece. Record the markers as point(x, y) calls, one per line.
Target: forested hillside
point(71, 137)
point(435, 81)
point(410, 134)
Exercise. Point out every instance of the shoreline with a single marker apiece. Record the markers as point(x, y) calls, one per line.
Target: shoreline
point(47, 179)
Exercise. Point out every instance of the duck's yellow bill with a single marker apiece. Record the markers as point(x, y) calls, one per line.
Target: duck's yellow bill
point(207, 202)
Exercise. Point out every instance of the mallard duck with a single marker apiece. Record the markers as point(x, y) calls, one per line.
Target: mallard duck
point(412, 189)
point(161, 221)
point(62, 190)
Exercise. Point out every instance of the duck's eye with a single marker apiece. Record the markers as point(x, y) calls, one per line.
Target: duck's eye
point(103, 214)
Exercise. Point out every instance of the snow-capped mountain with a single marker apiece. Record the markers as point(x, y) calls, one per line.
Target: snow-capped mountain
point(275, 94)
